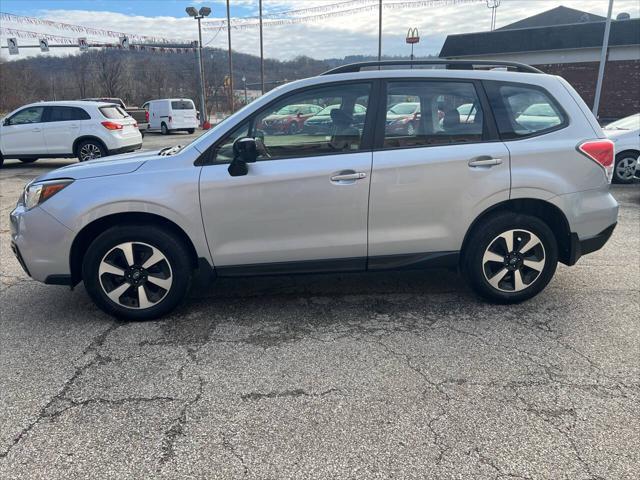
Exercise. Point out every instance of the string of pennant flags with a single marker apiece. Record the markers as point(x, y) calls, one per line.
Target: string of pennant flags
point(312, 14)
point(159, 44)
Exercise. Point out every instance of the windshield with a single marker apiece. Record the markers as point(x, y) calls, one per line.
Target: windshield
point(113, 112)
point(288, 110)
point(327, 110)
point(404, 108)
point(627, 123)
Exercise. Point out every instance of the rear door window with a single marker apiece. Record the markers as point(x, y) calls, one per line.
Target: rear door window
point(182, 105)
point(524, 110)
point(66, 114)
point(430, 112)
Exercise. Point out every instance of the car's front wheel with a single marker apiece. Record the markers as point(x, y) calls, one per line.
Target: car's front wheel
point(191, 131)
point(137, 272)
point(90, 150)
point(164, 130)
point(625, 167)
point(511, 258)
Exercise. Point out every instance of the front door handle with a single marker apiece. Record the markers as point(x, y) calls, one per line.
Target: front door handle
point(484, 161)
point(36, 130)
point(348, 176)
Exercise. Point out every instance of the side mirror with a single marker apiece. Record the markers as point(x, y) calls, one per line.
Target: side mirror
point(299, 115)
point(244, 151)
point(6, 122)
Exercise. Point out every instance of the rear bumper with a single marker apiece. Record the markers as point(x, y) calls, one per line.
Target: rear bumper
point(588, 245)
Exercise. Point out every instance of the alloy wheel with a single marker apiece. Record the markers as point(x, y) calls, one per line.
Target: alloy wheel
point(513, 260)
point(135, 275)
point(90, 151)
point(625, 168)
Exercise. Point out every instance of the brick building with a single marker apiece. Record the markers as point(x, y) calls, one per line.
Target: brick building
point(566, 42)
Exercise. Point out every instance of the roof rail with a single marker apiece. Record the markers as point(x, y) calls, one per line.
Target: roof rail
point(450, 64)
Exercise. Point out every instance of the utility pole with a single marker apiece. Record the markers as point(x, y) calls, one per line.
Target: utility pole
point(493, 5)
point(199, 15)
point(380, 31)
point(230, 58)
point(261, 53)
point(603, 60)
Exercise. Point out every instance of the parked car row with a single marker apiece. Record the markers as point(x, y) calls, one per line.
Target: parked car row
point(88, 129)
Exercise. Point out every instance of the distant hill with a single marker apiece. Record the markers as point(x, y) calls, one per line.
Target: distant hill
point(140, 76)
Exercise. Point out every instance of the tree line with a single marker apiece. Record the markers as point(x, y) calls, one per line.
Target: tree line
point(139, 76)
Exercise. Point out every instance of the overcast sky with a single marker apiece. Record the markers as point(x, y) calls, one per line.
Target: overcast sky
point(332, 37)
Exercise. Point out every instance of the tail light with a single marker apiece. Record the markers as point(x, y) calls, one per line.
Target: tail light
point(146, 116)
point(600, 151)
point(112, 126)
point(135, 125)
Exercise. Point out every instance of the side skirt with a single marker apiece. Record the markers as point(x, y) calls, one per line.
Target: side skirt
point(410, 261)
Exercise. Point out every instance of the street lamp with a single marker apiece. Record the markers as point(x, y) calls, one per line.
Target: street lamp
point(199, 15)
point(244, 80)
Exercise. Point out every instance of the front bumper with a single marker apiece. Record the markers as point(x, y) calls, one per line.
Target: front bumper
point(41, 244)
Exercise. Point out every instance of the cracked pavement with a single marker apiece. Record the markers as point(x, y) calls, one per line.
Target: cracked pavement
point(394, 375)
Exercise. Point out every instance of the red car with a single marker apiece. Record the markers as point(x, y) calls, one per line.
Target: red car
point(288, 120)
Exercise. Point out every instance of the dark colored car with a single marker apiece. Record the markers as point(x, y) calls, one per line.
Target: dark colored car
point(140, 115)
point(289, 119)
point(321, 123)
point(402, 118)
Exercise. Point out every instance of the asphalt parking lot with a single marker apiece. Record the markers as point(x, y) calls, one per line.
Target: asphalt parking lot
point(368, 376)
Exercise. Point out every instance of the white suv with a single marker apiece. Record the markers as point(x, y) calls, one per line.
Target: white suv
point(85, 130)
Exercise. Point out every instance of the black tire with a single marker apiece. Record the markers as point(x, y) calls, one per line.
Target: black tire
point(481, 238)
point(1, 160)
point(176, 255)
point(191, 131)
point(164, 130)
point(626, 175)
point(27, 160)
point(93, 149)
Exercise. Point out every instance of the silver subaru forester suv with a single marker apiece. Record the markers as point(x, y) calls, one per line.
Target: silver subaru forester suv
point(493, 168)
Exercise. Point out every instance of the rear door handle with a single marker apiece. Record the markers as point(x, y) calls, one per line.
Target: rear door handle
point(36, 130)
point(348, 176)
point(484, 161)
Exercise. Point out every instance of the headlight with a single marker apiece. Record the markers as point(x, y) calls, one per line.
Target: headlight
point(36, 193)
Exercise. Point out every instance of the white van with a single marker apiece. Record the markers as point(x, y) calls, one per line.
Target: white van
point(172, 114)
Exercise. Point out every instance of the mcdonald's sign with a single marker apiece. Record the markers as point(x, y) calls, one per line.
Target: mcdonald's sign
point(413, 36)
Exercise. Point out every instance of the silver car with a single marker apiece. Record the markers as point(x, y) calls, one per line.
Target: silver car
point(502, 200)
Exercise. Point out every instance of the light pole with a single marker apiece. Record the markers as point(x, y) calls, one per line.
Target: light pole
point(244, 80)
point(261, 54)
point(493, 5)
point(199, 15)
point(230, 59)
point(603, 60)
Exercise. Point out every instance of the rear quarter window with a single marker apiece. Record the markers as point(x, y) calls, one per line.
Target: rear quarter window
point(524, 110)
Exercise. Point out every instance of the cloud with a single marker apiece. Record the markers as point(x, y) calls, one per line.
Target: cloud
point(331, 37)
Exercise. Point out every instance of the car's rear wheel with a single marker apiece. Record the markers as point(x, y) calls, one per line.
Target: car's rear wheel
point(625, 167)
point(164, 129)
point(90, 150)
point(191, 131)
point(27, 160)
point(511, 258)
point(137, 272)
point(1, 160)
